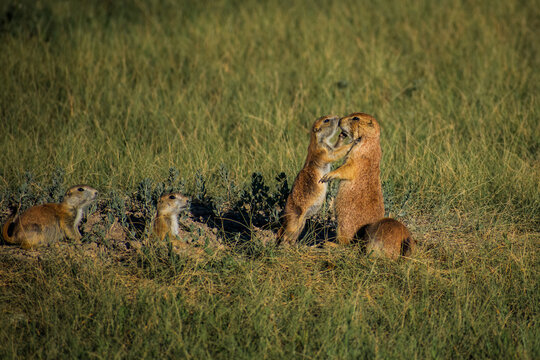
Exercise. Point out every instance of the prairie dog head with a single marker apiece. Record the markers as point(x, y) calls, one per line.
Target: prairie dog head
point(172, 204)
point(80, 196)
point(359, 125)
point(325, 127)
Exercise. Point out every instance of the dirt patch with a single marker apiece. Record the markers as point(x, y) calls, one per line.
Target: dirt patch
point(106, 237)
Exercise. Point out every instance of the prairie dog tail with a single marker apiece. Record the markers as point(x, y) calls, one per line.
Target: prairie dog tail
point(407, 246)
point(8, 230)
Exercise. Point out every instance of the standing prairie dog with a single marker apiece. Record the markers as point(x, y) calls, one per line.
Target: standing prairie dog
point(48, 223)
point(359, 200)
point(307, 194)
point(387, 237)
point(168, 208)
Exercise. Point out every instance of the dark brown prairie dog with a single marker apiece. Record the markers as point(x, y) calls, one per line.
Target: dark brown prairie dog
point(48, 223)
point(168, 208)
point(359, 200)
point(387, 237)
point(308, 194)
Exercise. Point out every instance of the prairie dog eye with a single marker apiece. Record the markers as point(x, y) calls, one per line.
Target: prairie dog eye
point(326, 120)
point(80, 189)
point(356, 118)
point(172, 197)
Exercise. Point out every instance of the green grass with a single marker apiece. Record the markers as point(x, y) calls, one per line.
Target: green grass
point(116, 92)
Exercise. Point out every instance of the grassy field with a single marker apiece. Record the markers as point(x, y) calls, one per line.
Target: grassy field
point(139, 97)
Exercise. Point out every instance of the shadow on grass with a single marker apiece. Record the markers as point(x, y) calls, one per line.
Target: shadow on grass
point(239, 226)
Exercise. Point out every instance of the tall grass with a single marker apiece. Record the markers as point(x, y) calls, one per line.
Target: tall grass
point(115, 92)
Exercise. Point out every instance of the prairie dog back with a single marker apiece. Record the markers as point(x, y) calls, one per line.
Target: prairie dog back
point(388, 237)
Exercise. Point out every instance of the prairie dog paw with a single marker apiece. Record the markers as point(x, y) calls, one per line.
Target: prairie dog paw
point(326, 178)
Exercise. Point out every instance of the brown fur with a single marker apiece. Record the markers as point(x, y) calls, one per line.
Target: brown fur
point(48, 223)
point(168, 208)
point(387, 237)
point(307, 194)
point(359, 200)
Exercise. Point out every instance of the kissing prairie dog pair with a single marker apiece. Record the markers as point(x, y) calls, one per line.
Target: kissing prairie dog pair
point(359, 202)
point(48, 223)
point(308, 194)
point(168, 208)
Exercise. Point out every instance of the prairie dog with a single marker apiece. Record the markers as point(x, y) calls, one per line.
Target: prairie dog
point(387, 237)
point(168, 208)
point(359, 200)
point(307, 194)
point(48, 223)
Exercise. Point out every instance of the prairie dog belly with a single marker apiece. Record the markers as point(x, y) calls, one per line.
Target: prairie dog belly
point(321, 196)
point(313, 209)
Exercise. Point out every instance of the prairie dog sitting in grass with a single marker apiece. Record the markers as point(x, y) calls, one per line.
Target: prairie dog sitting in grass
point(359, 200)
point(168, 208)
point(307, 194)
point(48, 223)
point(387, 237)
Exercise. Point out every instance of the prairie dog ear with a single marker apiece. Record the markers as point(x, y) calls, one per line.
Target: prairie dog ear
point(370, 123)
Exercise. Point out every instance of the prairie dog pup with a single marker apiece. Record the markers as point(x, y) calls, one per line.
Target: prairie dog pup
point(359, 200)
point(387, 237)
point(307, 194)
point(48, 223)
point(168, 208)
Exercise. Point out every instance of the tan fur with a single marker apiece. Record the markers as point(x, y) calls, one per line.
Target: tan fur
point(307, 194)
point(359, 200)
point(168, 208)
point(48, 223)
point(387, 237)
